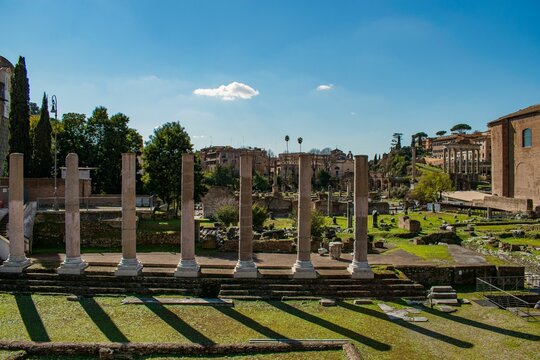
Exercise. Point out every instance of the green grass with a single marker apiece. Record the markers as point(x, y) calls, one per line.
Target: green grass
point(426, 252)
point(473, 332)
point(425, 167)
point(280, 223)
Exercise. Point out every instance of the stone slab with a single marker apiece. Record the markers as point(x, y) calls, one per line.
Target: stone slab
point(178, 301)
point(363, 301)
point(446, 308)
point(327, 302)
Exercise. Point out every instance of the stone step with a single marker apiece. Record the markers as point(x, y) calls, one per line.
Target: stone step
point(454, 302)
point(443, 295)
point(442, 288)
point(243, 297)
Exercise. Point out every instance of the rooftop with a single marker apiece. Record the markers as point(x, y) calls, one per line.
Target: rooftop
point(528, 111)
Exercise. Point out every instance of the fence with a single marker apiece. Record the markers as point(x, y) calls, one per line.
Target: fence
point(497, 290)
point(93, 202)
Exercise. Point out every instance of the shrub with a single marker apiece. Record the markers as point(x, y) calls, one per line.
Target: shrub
point(227, 214)
point(259, 216)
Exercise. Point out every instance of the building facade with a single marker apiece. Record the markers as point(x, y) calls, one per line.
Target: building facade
point(6, 72)
point(214, 156)
point(515, 149)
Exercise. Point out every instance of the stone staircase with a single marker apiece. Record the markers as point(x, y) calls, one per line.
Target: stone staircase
point(212, 285)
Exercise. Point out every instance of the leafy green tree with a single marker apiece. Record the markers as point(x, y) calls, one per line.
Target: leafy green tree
point(163, 161)
point(73, 137)
point(322, 179)
point(222, 176)
point(19, 115)
point(396, 140)
point(460, 128)
point(110, 137)
point(261, 183)
point(42, 160)
point(260, 214)
point(440, 133)
point(431, 185)
point(227, 214)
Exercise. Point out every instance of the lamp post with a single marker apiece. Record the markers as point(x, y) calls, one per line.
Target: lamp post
point(54, 109)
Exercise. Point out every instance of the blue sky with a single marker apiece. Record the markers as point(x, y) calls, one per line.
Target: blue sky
point(387, 66)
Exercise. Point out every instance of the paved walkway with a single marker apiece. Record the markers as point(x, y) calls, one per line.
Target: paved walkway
point(271, 260)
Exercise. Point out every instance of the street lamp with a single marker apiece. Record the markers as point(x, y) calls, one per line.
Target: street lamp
point(54, 109)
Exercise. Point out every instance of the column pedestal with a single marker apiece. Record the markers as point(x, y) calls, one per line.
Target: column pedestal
point(187, 268)
point(15, 265)
point(245, 269)
point(72, 266)
point(128, 267)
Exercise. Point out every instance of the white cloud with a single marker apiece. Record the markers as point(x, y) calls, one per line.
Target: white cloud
point(233, 91)
point(325, 87)
point(353, 113)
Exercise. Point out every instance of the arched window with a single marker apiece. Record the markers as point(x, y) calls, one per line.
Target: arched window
point(527, 137)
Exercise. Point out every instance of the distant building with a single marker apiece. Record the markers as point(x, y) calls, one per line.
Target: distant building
point(6, 72)
point(515, 148)
point(228, 156)
point(336, 163)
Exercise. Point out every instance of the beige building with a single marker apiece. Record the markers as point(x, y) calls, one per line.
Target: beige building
point(6, 72)
point(515, 148)
point(228, 156)
point(337, 163)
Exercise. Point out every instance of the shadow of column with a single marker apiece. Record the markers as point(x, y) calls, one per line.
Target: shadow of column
point(103, 321)
point(31, 319)
point(250, 323)
point(377, 345)
point(178, 324)
point(433, 334)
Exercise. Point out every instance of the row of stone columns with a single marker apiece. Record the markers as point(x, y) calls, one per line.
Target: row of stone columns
point(463, 161)
point(187, 267)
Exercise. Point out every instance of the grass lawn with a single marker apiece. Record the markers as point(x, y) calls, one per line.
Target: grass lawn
point(473, 332)
point(427, 252)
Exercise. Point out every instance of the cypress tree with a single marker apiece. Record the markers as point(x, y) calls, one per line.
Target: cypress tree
point(19, 115)
point(42, 160)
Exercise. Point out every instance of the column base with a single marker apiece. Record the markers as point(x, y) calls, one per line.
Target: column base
point(360, 270)
point(245, 269)
point(128, 267)
point(187, 268)
point(303, 270)
point(15, 265)
point(72, 266)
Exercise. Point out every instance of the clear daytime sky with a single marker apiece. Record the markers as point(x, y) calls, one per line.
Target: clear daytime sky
point(344, 74)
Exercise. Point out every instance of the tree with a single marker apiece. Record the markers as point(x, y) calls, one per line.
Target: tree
point(314, 151)
point(440, 133)
point(322, 179)
point(73, 137)
point(261, 183)
point(34, 109)
point(19, 115)
point(110, 137)
point(326, 151)
point(431, 185)
point(42, 160)
point(396, 140)
point(420, 137)
point(287, 138)
point(163, 161)
point(460, 128)
point(300, 140)
point(222, 176)
point(259, 216)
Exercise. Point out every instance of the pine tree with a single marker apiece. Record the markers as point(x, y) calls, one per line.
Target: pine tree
point(42, 160)
point(19, 115)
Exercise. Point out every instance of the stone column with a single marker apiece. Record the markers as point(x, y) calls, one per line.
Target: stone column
point(455, 167)
point(17, 260)
point(473, 162)
point(303, 268)
point(466, 161)
point(187, 267)
point(329, 202)
point(359, 267)
point(73, 264)
point(129, 264)
point(413, 175)
point(478, 161)
point(460, 168)
point(245, 267)
point(445, 168)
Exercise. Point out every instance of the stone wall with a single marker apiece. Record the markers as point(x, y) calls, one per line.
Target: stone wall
point(430, 275)
point(506, 204)
point(412, 226)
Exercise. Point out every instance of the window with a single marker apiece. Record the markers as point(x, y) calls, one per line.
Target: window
point(527, 137)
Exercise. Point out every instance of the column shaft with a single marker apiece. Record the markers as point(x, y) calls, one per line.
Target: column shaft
point(359, 268)
point(17, 260)
point(187, 267)
point(245, 266)
point(129, 265)
point(303, 268)
point(73, 264)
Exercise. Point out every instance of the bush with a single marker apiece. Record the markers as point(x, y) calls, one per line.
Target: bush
point(259, 216)
point(317, 223)
point(227, 214)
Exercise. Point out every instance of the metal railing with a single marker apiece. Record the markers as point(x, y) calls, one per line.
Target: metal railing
point(496, 290)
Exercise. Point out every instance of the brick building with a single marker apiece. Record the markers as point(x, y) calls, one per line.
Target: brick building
point(6, 72)
point(515, 149)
